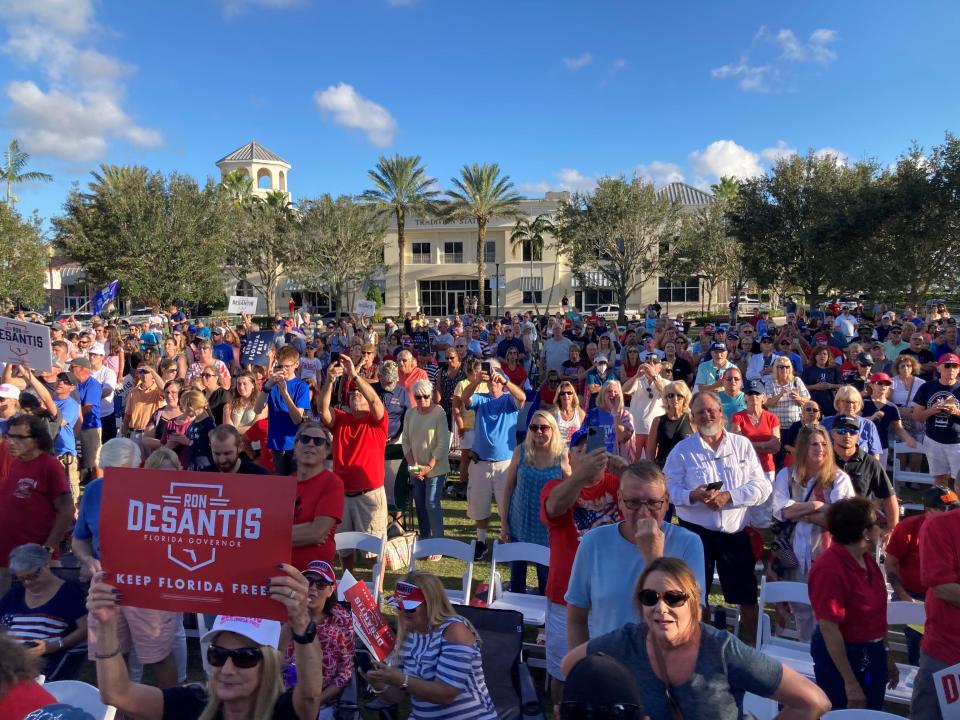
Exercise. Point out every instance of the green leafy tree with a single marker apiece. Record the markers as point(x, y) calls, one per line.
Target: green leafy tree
point(162, 237)
point(238, 186)
point(346, 243)
point(621, 231)
point(12, 173)
point(401, 186)
point(23, 258)
point(706, 249)
point(727, 189)
point(533, 235)
point(482, 194)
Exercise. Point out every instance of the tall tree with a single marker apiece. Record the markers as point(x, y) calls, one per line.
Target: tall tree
point(726, 189)
point(481, 194)
point(346, 244)
point(238, 186)
point(14, 161)
point(706, 249)
point(260, 246)
point(401, 186)
point(23, 258)
point(162, 237)
point(622, 231)
point(531, 235)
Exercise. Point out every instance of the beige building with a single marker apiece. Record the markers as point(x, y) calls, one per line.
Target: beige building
point(267, 169)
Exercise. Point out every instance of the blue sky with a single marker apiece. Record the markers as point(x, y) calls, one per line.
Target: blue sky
point(559, 93)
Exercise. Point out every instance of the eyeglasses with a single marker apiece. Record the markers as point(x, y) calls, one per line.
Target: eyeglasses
point(244, 658)
point(422, 397)
point(11, 436)
point(784, 367)
point(673, 598)
point(811, 409)
point(632, 504)
point(566, 392)
point(539, 428)
point(312, 439)
point(846, 431)
point(673, 396)
point(368, 352)
point(733, 379)
point(208, 375)
point(318, 582)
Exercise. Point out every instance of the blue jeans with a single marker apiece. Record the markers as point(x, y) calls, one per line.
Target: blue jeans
point(518, 577)
point(869, 664)
point(426, 497)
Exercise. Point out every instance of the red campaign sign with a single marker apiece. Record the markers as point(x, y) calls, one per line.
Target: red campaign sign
point(368, 621)
point(195, 541)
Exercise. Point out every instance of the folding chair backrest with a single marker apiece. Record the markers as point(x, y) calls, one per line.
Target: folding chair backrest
point(522, 551)
point(501, 641)
point(365, 542)
point(901, 612)
point(778, 592)
point(81, 695)
point(448, 548)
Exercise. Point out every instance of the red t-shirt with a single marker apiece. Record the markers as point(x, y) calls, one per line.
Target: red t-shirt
point(904, 545)
point(319, 496)
point(595, 506)
point(758, 433)
point(23, 698)
point(358, 449)
point(844, 593)
point(939, 565)
point(517, 375)
point(256, 435)
point(28, 502)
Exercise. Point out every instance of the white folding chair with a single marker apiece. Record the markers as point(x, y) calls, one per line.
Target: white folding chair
point(792, 653)
point(81, 695)
point(448, 548)
point(204, 625)
point(860, 714)
point(533, 607)
point(41, 679)
point(760, 708)
point(906, 476)
point(366, 542)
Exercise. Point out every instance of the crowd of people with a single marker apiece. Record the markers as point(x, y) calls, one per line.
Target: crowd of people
point(649, 459)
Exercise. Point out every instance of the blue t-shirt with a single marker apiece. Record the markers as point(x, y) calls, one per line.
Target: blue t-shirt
point(396, 402)
point(726, 669)
point(606, 569)
point(65, 443)
point(280, 428)
point(89, 393)
point(224, 353)
point(88, 517)
point(495, 427)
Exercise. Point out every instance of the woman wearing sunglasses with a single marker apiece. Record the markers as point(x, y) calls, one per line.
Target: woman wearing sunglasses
point(245, 679)
point(569, 415)
point(426, 447)
point(674, 425)
point(687, 668)
point(436, 661)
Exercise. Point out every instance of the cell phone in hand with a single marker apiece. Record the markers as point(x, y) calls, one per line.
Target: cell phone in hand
point(334, 357)
point(714, 485)
point(486, 367)
point(596, 439)
point(364, 661)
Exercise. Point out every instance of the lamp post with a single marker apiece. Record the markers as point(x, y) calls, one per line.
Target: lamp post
point(50, 275)
point(497, 286)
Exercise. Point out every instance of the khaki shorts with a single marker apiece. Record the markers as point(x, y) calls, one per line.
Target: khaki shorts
point(148, 632)
point(487, 481)
point(365, 513)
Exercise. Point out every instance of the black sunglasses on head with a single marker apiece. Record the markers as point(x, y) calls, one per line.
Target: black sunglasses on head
point(247, 657)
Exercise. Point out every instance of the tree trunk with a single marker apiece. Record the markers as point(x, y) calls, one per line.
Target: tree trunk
point(556, 270)
point(401, 248)
point(271, 295)
point(533, 293)
point(481, 275)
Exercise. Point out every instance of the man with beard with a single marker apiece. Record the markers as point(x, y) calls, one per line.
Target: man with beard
point(225, 443)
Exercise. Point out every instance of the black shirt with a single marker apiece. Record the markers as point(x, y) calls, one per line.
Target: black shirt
point(187, 703)
point(246, 468)
point(866, 473)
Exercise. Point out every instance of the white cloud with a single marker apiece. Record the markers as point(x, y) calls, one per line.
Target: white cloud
point(578, 63)
point(81, 108)
point(781, 150)
point(352, 110)
point(568, 179)
point(778, 52)
point(660, 173)
point(840, 156)
point(724, 157)
point(232, 8)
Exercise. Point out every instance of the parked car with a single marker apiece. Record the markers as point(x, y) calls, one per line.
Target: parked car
point(844, 301)
point(612, 312)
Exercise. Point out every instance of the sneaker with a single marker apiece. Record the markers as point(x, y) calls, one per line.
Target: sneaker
point(480, 551)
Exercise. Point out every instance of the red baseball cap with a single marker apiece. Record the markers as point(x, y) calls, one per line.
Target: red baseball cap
point(881, 378)
point(323, 569)
point(948, 358)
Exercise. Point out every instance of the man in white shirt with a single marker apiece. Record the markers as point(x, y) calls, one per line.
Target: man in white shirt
point(556, 350)
point(846, 323)
point(106, 376)
point(713, 478)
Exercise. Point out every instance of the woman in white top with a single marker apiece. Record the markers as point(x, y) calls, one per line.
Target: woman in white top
point(646, 402)
point(802, 494)
point(568, 413)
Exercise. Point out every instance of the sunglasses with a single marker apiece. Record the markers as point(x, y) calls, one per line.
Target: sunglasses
point(811, 410)
point(244, 658)
point(846, 431)
point(674, 396)
point(673, 598)
point(566, 392)
point(318, 582)
point(312, 439)
point(422, 397)
point(539, 428)
point(208, 375)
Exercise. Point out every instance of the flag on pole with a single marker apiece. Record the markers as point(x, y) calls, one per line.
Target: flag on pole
point(102, 297)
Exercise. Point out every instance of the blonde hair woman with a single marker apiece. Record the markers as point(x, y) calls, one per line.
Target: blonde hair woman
point(674, 425)
point(614, 418)
point(801, 494)
point(432, 641)
point(786, 393)
point(533, 465)
point(849, 401)
point(568, 413)
point(426, 447)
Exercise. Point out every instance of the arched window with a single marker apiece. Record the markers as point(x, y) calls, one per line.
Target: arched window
point(264, 179)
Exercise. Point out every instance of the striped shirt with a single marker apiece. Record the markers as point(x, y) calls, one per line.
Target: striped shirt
point(431, 657)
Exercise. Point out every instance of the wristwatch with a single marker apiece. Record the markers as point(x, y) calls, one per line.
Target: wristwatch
point(406, 683)
point(308, 634)
point(49, 549)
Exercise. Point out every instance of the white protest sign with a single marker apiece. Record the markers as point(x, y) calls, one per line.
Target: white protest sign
point(25, 342)
point(947, 683)
point(240, 304)
point(365, 307)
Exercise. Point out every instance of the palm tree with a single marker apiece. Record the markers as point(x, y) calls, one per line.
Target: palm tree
point(481, 194)
point(238, 185)
point(526, 232)
point(727, 189)
point(400, 186)
point(11, 173)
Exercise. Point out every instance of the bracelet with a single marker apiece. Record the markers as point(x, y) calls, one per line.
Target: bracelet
point(381, 691)
point(107, 656)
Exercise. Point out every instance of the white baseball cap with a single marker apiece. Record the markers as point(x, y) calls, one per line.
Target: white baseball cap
point(10, 392)
point(261, 632)
point(97, 349)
